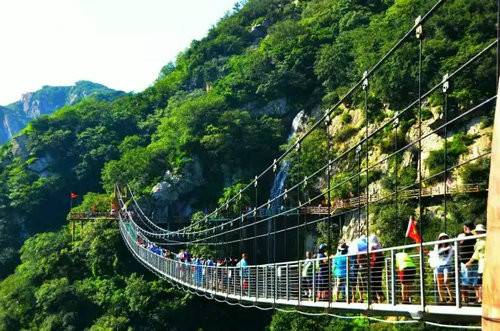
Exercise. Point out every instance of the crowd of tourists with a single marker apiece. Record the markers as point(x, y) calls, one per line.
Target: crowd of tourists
point(202, 271)
point(352, 272)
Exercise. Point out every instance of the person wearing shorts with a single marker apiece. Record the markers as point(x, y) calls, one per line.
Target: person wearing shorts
point(468, 275)
point(339, 270)
point(407, 271)
point(477, 259)
point(444, 269)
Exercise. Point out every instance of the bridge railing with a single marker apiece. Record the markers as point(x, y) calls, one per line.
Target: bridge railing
point(81, 216)
point(374, 281)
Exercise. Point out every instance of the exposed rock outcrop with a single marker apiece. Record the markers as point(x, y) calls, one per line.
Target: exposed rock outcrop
point(15, 116)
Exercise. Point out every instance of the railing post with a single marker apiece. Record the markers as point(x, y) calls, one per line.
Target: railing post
point(227, 280)
point(233, 273)
point(457, 275)
point(330, 285)
point(347, 280)
point(216, 278)
point(265, 281)
point(275, 284)
point(314, 281)
point(256, 283)
point(422, 279)
point(299, 295)
point(386, 279)
point(287, 283)
point(393, 278)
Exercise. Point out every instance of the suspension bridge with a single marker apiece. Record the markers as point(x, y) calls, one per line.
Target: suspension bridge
point(372, 282)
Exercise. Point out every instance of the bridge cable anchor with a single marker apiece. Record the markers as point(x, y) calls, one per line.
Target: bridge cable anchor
point(419, 30)
point(446, 83)
point(364, 85)
point(327, 117)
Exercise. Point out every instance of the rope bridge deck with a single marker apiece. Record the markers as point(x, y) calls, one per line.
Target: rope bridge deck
point(284, 283)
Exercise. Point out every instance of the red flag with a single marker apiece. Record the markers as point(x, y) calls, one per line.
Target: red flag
point(412, 232)
point(73, 195)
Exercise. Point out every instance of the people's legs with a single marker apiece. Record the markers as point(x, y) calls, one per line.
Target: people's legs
point(464, 283)
point(335, 290)
point(410, 276)
point(360, 283)
point(480, 288)
point(341, 288)
point(352, 282)
point(401, 282)
point(377, 284)
point(439, 279)
point(309, 286)
point(446, 280)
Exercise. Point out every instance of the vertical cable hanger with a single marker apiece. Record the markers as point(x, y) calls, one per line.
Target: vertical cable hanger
point(268, 226)
point(299, 203)
point(367, 192)
point(255, 226)
point(396, 165)
point(419, 33)
point(358, 207)
point(445, 87)
point(273, 274)
point(329, 204)
point(299, 164)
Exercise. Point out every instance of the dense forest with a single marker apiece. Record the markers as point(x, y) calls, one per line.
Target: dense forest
point(213, 119)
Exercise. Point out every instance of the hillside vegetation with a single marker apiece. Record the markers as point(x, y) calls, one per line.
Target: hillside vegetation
point(212, 120)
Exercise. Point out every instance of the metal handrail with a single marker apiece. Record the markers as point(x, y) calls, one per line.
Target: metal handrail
point(284, 283)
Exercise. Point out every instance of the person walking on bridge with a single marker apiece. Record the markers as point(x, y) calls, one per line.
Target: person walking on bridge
point(307, 275)
point(376, 268)
point(244, 271)
point(478, 258)
point(339, 267)
point(444, 269)
point(322, 275)
point(466, 250)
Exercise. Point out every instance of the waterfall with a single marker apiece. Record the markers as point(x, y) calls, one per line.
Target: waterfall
point(280, 179)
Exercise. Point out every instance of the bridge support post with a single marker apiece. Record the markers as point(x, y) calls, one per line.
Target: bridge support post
point(491, 286)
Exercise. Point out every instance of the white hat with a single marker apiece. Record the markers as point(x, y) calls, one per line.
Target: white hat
point(442, 234)
point(480, 228)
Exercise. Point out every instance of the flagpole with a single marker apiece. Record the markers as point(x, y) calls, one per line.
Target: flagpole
point(72, 221)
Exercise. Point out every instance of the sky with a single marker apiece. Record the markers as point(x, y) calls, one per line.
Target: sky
point(122, 44)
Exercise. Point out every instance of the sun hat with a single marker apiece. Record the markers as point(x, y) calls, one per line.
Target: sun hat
point(480, 228)
point(442, 234)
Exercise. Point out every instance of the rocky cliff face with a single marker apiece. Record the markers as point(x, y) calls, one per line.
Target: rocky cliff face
point(10, 123)
point(15, 116)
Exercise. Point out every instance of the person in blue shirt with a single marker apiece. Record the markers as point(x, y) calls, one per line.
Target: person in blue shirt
point(244, 272)
point(198, 272)
point(339, 270)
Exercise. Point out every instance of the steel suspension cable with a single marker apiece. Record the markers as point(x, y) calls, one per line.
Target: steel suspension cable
point(392, 120)
point(369, 72)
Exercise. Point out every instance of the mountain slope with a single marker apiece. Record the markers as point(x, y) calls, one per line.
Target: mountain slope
point(45, 101)
point(216, 118)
